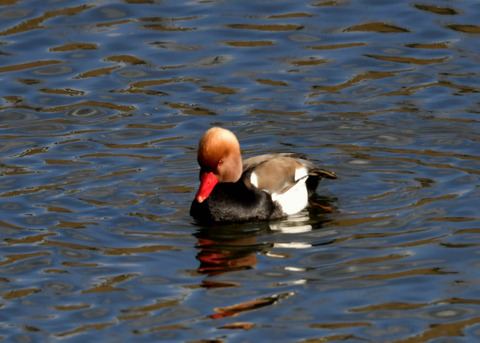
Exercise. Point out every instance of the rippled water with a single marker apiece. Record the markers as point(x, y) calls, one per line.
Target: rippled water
point(101, 108)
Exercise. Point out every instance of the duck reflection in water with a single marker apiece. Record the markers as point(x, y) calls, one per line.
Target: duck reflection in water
point(230, 248)
point(226, 248)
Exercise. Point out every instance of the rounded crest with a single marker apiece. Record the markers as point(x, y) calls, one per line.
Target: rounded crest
point(219, 153)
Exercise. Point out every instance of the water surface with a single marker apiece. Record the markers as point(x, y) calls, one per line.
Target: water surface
point(101, 108)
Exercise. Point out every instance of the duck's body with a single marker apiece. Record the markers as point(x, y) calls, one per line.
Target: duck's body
point(260, 188)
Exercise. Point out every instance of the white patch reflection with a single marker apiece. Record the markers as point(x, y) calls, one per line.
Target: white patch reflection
point(296, 223)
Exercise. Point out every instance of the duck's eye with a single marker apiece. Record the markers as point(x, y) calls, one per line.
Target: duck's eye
point(220, 162)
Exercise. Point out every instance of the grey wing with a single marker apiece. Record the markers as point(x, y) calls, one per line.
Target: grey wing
point(277, 173)
point(274, 173)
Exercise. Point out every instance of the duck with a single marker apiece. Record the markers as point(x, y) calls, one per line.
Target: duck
point(260, 188)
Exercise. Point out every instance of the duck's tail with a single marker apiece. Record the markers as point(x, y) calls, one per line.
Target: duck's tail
point(315, 175)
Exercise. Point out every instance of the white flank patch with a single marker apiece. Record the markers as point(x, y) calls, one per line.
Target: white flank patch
point(294, 200)
point(300, 173)
point(254, 179)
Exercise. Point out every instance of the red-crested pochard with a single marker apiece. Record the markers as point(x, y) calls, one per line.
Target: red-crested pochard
point(259, 188)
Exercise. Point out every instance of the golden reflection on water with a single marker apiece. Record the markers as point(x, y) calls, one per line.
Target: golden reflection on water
point(377, 27)
point(35, 23)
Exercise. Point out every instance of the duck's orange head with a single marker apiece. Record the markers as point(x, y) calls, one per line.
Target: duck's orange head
point(220, 160)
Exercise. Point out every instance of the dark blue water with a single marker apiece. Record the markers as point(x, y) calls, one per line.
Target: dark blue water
point(101, 108)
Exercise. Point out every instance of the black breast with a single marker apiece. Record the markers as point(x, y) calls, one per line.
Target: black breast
point(235, 202)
